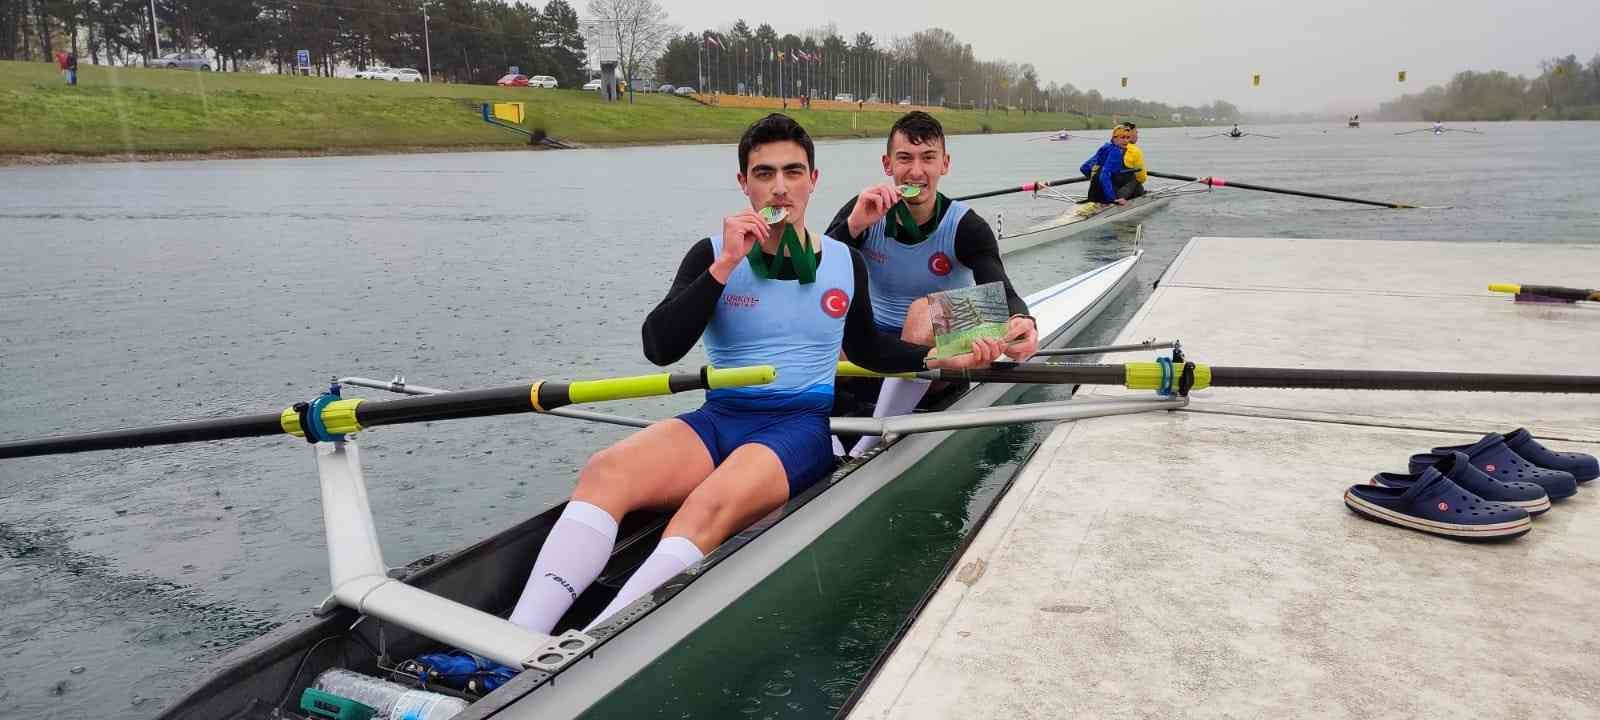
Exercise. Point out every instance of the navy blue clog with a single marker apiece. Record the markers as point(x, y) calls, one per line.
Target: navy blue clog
point(1459, 470)
point(1495, 459)
point(1437, 506)
point(1583, 467)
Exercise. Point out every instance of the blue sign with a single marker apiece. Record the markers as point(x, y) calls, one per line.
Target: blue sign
point(302, 58)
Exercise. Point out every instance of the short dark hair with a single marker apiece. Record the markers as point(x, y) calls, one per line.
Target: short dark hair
point(776, 127)
point(918, 127)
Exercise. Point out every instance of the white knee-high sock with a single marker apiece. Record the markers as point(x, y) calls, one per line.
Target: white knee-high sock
point(672, 556)
point(572, 557)
point(899, 396)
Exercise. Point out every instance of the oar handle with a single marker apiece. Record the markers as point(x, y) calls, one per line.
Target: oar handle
point(341, 417)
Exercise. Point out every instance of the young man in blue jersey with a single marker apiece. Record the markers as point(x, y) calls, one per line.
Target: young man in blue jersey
point(920, 245)
point(758, 294)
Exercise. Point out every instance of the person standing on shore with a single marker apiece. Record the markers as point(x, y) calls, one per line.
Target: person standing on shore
point(72, 68)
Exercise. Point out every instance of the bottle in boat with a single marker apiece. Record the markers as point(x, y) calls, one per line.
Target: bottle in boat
point(392, 700)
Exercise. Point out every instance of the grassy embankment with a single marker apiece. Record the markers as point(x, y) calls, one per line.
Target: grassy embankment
point(136, 111)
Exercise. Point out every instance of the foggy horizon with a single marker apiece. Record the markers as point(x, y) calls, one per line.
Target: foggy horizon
point(1331, 58)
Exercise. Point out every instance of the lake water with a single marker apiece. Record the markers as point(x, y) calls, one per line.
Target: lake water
point(141, 293)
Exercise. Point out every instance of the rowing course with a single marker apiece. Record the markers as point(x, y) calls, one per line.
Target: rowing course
point(1151, 565)
point(166, 291)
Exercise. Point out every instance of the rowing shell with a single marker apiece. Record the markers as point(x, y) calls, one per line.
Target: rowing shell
point(1082, 218)
point(273, 670)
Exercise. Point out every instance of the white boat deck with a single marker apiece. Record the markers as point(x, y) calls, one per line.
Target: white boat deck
point(1202, 562)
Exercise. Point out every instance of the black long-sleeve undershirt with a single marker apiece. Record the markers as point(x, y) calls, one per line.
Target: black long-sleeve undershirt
point(678, 321)
point(975, 245)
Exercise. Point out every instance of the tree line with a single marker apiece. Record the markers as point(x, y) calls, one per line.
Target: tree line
point(478, 40)
point(469, 40)
point(930, 67)
point(1565, 89)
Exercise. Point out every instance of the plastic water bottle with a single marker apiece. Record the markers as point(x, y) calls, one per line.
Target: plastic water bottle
point(393, 700)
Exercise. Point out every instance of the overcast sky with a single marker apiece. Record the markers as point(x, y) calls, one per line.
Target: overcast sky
point(1338, 55)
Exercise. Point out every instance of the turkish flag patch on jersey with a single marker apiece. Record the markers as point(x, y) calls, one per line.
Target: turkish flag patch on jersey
point(835, 303)
point(939, 264)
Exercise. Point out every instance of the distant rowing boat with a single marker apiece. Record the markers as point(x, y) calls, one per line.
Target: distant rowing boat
point(1084, 216)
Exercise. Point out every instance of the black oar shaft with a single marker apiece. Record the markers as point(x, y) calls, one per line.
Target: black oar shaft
point(1401, 380)
point(184, 432)
point(537, 397)
point(1562, 293)
point(1029, 187)
point(1219, 182)
point(1145, 375)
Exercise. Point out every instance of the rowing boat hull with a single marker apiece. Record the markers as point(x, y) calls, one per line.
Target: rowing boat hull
point(271, 671)
point(1072, 223)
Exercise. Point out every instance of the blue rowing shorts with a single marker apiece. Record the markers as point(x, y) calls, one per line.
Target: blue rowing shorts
point(796, 431)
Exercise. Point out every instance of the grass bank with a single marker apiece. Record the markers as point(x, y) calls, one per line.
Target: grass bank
point(135, 112)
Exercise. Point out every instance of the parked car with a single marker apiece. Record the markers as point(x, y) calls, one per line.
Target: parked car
point(593, 84)
point(542, 81)
point(406, 75)
point(183, 61)
point(683, 90)
point(512, 80)
point(372, 73)
point(666, 88)
point(905, 102)
point(844, 97)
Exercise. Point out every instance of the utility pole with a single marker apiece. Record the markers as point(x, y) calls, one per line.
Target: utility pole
point(427, 42)
point(155, 32)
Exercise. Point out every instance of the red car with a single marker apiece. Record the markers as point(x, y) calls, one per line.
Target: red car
point(513, 80)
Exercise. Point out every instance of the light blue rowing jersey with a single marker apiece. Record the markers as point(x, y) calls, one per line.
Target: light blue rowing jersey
point(901, 273)
point(796, 327)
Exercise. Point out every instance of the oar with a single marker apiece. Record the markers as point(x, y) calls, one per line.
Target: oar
point(343, 416)
point(1025, 187)
point(1549, 291)
point(1154, 376)
point(1219, 182)
point(900, 425)
point(1408, 132)
point(1274, 137)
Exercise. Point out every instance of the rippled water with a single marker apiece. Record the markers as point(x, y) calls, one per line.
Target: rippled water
point(142, 293)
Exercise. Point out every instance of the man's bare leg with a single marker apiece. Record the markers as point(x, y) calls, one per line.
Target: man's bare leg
point(657, 467)
point(749, 484)
point(900, 396)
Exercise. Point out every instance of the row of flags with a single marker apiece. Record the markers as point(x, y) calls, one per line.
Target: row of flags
point(773, 54)
point(1255, 79)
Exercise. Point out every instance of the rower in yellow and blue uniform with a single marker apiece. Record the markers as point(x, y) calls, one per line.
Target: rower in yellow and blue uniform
point(1133, 160)
point(1111, 180)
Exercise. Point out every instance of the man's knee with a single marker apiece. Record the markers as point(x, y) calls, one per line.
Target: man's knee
point(604, 478)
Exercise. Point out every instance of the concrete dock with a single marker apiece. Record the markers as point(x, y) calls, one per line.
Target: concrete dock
point(1201, 563)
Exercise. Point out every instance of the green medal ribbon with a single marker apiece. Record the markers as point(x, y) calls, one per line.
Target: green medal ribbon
point(801, 258)
point(905, 223)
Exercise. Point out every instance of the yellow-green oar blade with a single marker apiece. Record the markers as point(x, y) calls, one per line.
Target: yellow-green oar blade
point(341, 417)
point(1547, 291)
